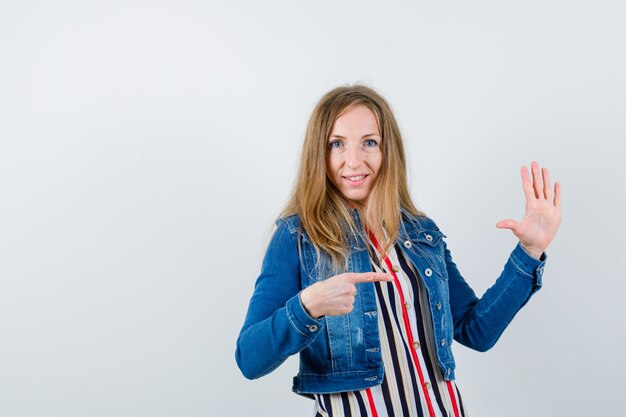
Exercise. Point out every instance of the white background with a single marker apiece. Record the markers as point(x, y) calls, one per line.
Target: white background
point(147, 147)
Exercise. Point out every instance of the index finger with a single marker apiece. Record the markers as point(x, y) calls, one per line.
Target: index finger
point(358, 277)
point(529, 193)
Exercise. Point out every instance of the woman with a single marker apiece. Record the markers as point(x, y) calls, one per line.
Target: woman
point(361, 284)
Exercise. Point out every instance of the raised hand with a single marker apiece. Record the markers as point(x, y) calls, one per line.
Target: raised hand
point(335, 296)
point(543, 212)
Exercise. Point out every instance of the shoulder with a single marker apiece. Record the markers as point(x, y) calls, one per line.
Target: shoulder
point(418, 223)
point(287, 230)
point(284, 237)
point(421, 229)
point(291, 223)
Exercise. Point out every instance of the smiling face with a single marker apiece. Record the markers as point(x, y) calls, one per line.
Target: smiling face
point(354, 156)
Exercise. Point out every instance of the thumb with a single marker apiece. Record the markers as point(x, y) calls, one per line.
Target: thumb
point(507, 224)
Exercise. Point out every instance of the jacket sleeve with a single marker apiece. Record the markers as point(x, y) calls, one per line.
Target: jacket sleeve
point(479, 322)
point(276, 324)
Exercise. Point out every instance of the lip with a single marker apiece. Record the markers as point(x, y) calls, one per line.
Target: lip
point(356, 183)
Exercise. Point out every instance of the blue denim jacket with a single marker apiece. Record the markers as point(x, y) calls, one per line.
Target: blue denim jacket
point(342, 353)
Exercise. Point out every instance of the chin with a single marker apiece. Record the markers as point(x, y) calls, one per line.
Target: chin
point(356, 198)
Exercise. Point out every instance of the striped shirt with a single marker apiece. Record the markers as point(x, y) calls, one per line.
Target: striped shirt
point(413, 384)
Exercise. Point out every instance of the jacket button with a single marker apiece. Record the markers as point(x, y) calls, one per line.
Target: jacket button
point(407, 305)
point(438, 306)
point(407, 244)
point(416, 345)
point(427, 385)
point(442, 342)
point(313, 328)
point(395, 268)
point(429, 238)
point(428, 272)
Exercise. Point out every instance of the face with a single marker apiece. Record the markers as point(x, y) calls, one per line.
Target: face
point(354, 156)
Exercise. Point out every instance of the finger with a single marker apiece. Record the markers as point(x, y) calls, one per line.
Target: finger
point(526, 184)
point(356, 278)
point(547, 189)
point(557, 194)
point(537, 184)
point(507, 224)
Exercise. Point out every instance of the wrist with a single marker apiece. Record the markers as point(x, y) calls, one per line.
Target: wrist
point(307, 303)
point(532, 252)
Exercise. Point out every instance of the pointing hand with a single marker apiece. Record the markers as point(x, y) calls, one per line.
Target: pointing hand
point(335, 296)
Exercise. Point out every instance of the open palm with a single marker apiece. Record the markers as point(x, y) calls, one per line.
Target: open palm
point(542, 212)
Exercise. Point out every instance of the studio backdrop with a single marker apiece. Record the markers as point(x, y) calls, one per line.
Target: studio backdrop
point(146, 149)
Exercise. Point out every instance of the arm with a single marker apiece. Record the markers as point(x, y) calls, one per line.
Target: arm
point(281, 319)
point(276, 325)
point(478, 323)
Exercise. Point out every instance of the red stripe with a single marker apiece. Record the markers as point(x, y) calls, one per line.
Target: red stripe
point(370, 399)
point(407, 323)
point(453, 398)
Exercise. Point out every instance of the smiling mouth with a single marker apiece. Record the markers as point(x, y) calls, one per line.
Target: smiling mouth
point(356, 177)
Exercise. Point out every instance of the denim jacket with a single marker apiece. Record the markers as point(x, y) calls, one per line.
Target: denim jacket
point(342, 353)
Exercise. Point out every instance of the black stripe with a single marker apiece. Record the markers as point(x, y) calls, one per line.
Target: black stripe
point(318, 399)
point(320, 405)
point(346, 405)
point(394, 353)
point(327, 405)
point(387, 397)
point(458, 394)
point(420, 326)
point(362, 408)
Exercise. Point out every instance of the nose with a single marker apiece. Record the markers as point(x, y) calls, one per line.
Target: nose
point(354, 157)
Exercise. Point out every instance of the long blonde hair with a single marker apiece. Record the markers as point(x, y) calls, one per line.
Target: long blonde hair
point(324, 213)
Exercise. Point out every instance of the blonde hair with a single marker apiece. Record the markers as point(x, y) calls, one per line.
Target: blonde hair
point(325, 215)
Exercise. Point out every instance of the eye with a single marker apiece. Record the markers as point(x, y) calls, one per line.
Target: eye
point(370, 143)
point(335, 144)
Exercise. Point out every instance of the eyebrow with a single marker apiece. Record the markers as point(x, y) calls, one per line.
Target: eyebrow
point(364, 136)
